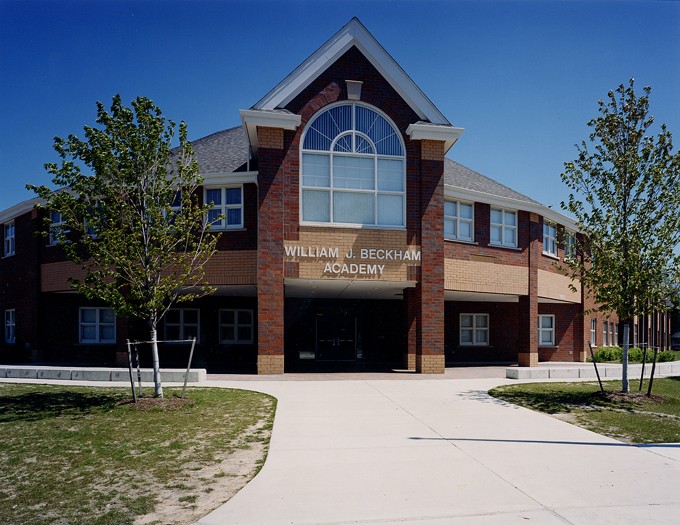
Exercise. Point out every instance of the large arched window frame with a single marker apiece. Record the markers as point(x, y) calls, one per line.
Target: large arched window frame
point(353, 169)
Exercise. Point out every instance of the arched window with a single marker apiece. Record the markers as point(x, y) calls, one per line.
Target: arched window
point(353, 169)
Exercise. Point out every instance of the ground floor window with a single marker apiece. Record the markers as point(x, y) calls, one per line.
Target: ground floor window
point(10, 326)
point(181, 323)
point(593, 332)
point(474, 329)
point(546, 330)
point(97, 325)
point(605, 338)
point(236, 326)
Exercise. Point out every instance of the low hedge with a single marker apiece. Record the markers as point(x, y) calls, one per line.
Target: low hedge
point(635, 354)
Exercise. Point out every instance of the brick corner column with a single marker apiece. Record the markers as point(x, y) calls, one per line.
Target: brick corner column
point(527, 354)
point(270, 234)
point(430, 288)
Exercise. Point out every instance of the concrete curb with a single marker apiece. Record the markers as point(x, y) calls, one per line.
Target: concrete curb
point(197, 375)
point(587, 371)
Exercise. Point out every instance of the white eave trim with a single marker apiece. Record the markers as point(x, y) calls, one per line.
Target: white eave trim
point(234, 177)
point(446, 134)
point(19, 209)
point(252, 118)
point(454, 192)
point(352, 34)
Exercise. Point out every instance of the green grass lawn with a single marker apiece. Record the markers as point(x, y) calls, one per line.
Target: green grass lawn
point(633, 419)
point(89, 455)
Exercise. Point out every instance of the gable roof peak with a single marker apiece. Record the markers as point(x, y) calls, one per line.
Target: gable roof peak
point(354, 33)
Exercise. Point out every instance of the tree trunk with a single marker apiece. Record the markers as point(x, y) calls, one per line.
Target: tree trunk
point(624, 356)
point(158, 387)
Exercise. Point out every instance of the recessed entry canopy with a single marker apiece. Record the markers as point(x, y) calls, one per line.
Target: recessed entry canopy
point(346, 289)
point(481, 297)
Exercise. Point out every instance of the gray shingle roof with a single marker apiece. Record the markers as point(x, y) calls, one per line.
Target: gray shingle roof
point(227, 151)
point(459, 176)
point(222, 152)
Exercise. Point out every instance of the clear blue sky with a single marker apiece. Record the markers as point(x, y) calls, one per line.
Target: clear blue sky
point(522, 78)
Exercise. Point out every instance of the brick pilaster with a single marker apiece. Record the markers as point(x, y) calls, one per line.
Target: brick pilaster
point(528, 304)
point(430, 289)
point(270, 291)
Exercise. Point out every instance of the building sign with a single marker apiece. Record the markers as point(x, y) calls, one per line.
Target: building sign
point(367, 261)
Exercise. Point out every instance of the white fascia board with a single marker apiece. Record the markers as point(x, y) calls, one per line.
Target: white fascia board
point(447, 134)
point(252, 118)
point(354, 33)
point(454, 192)
point(220, 178)
point(19, 209)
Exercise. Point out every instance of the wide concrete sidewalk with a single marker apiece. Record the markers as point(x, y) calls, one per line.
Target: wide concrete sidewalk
point(442, 452)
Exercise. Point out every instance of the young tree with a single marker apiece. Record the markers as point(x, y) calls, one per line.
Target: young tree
point(133, 222)
point(627, 203)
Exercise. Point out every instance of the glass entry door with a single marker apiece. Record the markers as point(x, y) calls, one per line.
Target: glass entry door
point(336, 337)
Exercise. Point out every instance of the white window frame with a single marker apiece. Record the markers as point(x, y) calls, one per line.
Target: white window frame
point(331, 189)
point(457, 220)
point(98, 323)
point(616, 334)
point(612, 341)
point(10, 326)
point(542, 330)
point(550, 238)
point(503, 226)
point(474, 328)
point(56, 226)
point(9, 244)
point(223, 208)
point(237, 340)
point(182, 324)
point(605, 333)
point(569, 244)
point(593, 331)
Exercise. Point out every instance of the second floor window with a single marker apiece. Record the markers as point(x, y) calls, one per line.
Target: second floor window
point(458, 221)
point(228, 202)
point(503, 226)
point(57, 226)
point(569, 244)
point(549, 239)
point(9, 244)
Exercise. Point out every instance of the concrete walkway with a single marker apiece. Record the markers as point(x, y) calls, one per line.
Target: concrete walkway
point(438, 451)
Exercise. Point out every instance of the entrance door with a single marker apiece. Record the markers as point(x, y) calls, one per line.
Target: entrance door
point(336, 337)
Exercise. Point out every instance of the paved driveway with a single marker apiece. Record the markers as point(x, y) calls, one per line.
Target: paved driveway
point(442, 452)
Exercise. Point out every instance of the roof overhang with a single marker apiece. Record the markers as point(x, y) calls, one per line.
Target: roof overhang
point(425, 131)
point(19, 209)
point(352, 34)
point(252, 118)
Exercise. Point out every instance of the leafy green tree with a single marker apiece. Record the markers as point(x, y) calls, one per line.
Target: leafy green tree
point(626, 200)
point(133, 221)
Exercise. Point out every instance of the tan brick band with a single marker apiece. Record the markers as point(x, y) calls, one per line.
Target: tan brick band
point(411, 362)
point(527, 358)
point(430, 364)
point(270, 364)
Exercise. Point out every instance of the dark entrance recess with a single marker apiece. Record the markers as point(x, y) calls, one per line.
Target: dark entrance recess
point(344, 335)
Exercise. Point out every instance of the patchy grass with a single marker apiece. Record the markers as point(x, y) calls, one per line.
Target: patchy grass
point(632, 418)
point(90, 455)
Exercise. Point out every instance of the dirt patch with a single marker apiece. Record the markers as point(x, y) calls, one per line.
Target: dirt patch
point(211, 487)
point(162, 403)
point(618, 397)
